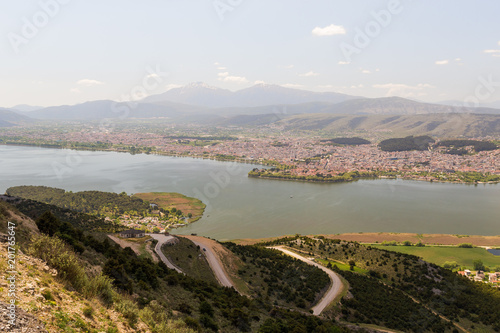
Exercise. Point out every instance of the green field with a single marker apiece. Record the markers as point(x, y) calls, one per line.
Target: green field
point(341, 266)
point(440, 254)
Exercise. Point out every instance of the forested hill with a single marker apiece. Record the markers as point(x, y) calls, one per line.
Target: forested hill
point(90, 202)
point(408, 143)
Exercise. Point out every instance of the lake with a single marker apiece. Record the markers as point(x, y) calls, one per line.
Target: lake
point(242, 207)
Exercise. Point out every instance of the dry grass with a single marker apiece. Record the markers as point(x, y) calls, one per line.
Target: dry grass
point(168, 200)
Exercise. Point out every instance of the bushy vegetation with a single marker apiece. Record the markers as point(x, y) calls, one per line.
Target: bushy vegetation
point(281, 279)
point(355, 141)
point(34, 209)
point(405, 144)
point(456, 146)
point(90, 202)
point(453, 296)
point(372, 302)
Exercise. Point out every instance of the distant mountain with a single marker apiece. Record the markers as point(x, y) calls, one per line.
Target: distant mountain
point(398, 105)
point(202, 94)
point(492, 105)
point(10, 118)
point(26, 108)
point(439, 125)
point(197, 93)
point(110, 109)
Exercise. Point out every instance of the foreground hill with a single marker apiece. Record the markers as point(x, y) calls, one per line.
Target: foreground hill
point(94, 285)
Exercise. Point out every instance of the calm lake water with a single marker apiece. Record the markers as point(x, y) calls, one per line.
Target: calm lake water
point(242, 207)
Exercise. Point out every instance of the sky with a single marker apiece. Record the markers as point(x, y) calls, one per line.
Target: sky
point(55, 52)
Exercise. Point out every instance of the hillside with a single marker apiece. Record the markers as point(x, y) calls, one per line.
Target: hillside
point(439, 125)
point(99, 285)
point(10, 118)
point(376, 276)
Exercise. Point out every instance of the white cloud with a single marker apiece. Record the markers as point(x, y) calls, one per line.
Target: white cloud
point(330, 30)
point(442, 62)
point(224, 74)
point(458, 59)
point(237, 79)
point(310, 73)
point(494, 53)
point(259, 82)
point(344, 62)
point(404, 90)
point(172, 86)
point(216, 64)
point(292, 85)
point(221, 68)
point(365, 71)
point(75, 90)
point(89, 83)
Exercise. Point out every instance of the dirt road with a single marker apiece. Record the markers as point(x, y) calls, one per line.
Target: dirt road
point(207, 247)
point(162, 239)
point(335, 286)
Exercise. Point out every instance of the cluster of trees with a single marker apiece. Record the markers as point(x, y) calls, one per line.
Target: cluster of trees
point(444, 291)
point(90, 202)
point(79, 220)
point(355, 141)
point(375, 303)
point(278, 277)
point(283, 174)
point(408, 143)
point(456, 146)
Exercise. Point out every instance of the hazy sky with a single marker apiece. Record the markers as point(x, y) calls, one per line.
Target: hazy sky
point(68, 51)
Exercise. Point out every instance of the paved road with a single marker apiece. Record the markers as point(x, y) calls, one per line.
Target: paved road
point(335, 286)
point(163, 239)
point(213, 260)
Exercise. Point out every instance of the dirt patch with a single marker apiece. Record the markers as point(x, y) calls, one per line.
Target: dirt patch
point(123, 243)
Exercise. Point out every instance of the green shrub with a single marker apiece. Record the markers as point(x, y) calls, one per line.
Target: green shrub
point(88, 311)
point(47, 295)
point(129, 310)
point(59, 256)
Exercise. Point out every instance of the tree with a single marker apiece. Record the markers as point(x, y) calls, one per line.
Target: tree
point(478, 265)
point(48, 223)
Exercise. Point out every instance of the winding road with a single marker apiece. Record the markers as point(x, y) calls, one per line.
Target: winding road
point(206, 246)
point(163, 239)
point(335, 286)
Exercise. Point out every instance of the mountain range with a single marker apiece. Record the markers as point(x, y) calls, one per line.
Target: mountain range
point(265, 104)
